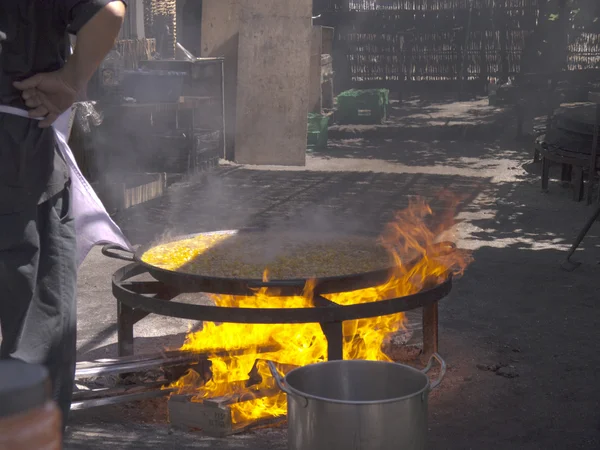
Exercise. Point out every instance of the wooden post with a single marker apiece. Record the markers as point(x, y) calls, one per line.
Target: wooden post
point(464, 67)
point(408, 57)
point(504, 65)
point(563, 35)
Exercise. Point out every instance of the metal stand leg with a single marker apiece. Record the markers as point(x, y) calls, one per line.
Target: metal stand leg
point(578, 184)
point(335, 340)
point(334, 331)
point(569, 265)
point(566, 172)
point(545, 173)
point(520, 112)
point(125, 321)
point(430, 329)
point(127, 317)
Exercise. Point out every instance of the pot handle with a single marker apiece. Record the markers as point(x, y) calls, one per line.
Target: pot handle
point(281, 384)
point(110, 250)
point(443, 367)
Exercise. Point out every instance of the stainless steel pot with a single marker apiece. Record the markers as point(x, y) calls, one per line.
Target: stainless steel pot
point(357, 405)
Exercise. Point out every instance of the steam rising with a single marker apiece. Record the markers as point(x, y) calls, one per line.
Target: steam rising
point(207, 203)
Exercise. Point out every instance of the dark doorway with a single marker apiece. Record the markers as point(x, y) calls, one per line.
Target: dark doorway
point(189, 25)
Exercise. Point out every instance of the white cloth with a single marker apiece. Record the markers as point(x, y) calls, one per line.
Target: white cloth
point(93, 225)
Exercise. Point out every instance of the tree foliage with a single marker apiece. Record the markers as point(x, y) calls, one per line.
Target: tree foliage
point(582, 14)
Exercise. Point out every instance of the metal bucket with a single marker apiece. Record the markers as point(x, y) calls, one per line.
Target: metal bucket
point(357, 405)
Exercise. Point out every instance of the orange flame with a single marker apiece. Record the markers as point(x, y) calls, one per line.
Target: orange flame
point(412, 236)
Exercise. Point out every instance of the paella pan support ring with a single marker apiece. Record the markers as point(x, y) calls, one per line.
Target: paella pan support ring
point(137, 299)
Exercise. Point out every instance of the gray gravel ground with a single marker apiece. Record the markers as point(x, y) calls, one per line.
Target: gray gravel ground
point(518, 333)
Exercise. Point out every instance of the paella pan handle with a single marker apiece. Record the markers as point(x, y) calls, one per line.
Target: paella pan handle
point(281, 384)
point(276, 284)
point(111, 250)
point(443, 367)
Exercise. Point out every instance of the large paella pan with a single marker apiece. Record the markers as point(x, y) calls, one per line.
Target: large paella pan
point(238, 262)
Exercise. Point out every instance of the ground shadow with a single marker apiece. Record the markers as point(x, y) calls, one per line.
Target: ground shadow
point(514, 332)
point(526, 218)
point(421, 117)
point(517, 332)
point(421, 110)
point(152, 436)
point(426, 153)
point(514, 312)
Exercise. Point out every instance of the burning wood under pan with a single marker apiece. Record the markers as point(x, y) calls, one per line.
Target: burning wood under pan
point(172, 365)
point(215, 415)
point(214, 419)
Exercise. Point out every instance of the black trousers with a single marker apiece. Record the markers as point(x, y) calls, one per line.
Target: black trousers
point(38, 280)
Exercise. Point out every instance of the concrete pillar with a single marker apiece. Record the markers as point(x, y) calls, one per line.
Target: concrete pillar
point(274, 49)
point(267, 49)
point(220, 29)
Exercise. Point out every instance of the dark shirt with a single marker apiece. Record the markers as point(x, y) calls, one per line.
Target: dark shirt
point(31, 169)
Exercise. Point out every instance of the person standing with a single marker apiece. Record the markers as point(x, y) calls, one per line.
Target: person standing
point(38, 242)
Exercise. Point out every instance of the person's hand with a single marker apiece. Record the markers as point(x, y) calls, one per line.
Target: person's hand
point(47, 95)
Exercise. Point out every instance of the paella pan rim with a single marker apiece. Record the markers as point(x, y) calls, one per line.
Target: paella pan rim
point(247, 286)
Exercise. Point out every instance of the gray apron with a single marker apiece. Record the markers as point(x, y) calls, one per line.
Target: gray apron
point(93, 225)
